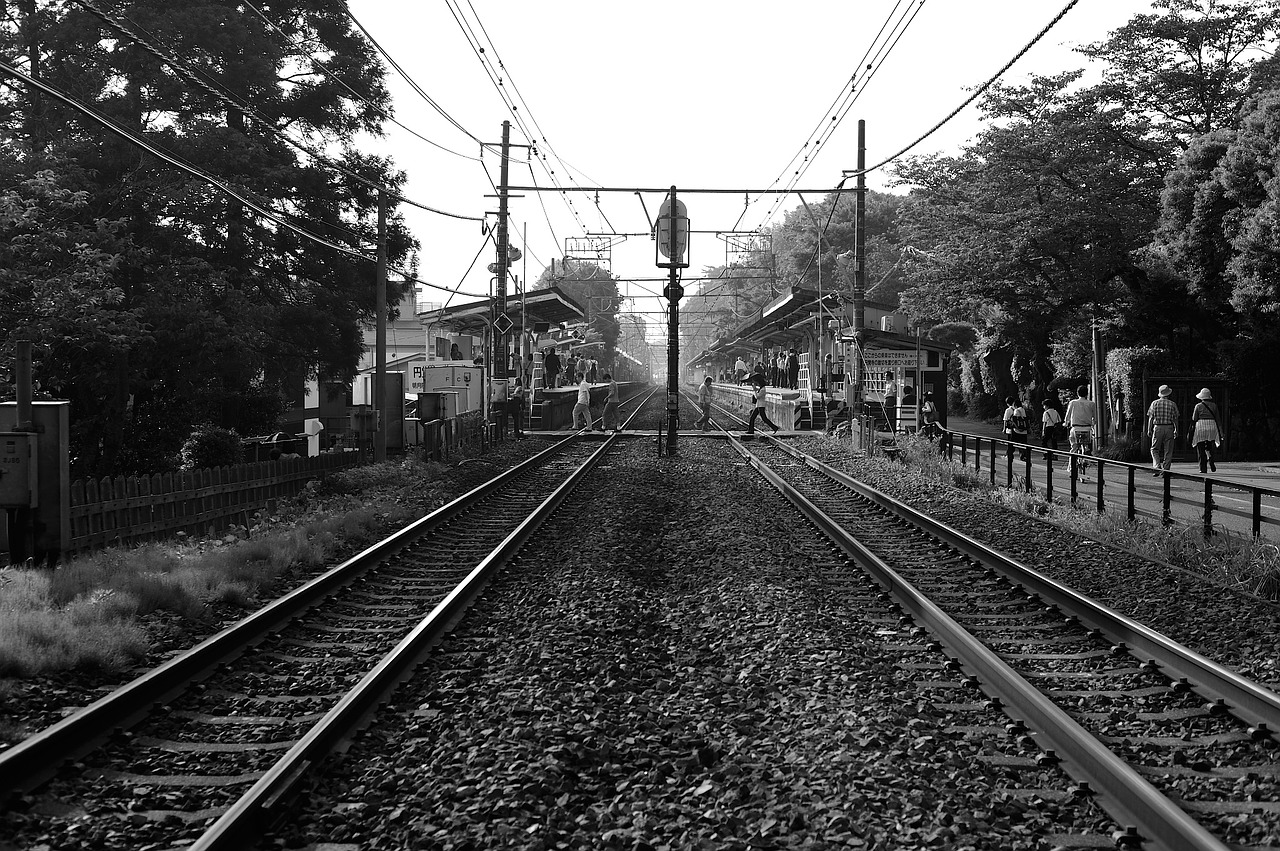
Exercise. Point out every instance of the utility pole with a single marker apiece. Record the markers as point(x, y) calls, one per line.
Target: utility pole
point(380, 338)
point(501, 325)
point(859, 270)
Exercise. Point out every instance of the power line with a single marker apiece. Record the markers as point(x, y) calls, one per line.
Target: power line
point(224, 95)
point(337, 78)
point(856, 89)
point(976, 94)
point(412, 83)
point(171, 159)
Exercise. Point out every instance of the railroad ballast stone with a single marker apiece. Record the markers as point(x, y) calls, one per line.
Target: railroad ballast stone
point(672, 667)
point(1233, 628)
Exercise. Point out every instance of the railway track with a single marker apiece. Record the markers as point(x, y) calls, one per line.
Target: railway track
point(1178, 750)
point(202, 750)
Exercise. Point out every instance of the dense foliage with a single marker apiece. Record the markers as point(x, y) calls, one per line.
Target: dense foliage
point(155, 301)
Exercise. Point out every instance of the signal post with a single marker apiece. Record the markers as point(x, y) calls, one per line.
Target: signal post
point(672, 237)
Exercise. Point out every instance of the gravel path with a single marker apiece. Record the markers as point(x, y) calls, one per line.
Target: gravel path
point(679, 668)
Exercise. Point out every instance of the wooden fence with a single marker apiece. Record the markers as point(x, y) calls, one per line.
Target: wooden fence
point(124, 510)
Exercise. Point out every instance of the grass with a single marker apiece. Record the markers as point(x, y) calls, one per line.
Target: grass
point(1227, 557)
point(87, 614)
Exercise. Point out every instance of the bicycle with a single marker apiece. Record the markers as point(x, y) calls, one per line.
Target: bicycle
point(1080, 440)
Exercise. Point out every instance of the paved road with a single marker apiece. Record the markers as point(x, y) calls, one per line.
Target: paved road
point(1236, 506)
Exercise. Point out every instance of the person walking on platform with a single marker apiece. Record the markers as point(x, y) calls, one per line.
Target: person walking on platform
point(1206, 434)
point(551, 369)
point(1081, 417)
point(890, 405)
point(740, 369)
point(516, 406)
point(793, 368)
point(704, 402)
point(1015, 425)
point(757, 410)
point(1162, 427)
point(609, 419)
point(582, 408)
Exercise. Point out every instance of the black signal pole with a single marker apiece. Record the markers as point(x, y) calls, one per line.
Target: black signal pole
point(673, 330)
point(380, 339)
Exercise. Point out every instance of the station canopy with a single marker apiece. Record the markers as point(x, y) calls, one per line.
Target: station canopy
point(549, 307)
point(789, 318)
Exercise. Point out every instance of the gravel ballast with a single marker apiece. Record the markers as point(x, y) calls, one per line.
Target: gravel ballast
point(677, 665)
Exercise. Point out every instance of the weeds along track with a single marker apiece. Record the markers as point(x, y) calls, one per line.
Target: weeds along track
point(220, 735)
point(1178, 750)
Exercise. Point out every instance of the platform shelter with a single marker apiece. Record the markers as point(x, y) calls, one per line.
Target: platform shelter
point(821, 331)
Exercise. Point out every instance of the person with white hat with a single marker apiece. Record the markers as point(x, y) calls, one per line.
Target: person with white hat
point(1162, 427)
point(1206, 434)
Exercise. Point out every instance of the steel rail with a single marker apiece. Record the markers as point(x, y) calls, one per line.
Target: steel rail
point(1129, 797)
point(244, 820)
point(1258, 707)
point(37, 758)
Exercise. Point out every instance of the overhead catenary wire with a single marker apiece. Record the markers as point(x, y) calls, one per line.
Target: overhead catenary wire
point(976, 94)
point(499, 76)
point(851, 94)
point(412, 82)
point(167, 157)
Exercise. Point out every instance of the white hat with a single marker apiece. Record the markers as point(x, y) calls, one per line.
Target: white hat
point(1165, 390)
point(1204, 394)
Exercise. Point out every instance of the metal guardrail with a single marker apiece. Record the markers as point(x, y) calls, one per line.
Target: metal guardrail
point(1122, 472)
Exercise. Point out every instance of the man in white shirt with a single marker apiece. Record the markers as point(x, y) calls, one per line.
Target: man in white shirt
point(582, 408)
point(704, 402)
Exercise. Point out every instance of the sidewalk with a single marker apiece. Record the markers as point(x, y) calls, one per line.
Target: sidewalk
point(1234, 508)
point(1263, 474)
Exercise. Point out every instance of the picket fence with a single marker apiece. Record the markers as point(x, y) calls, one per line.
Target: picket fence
point(123, 510)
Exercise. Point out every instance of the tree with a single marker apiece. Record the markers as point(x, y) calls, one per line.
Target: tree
point(595, 289)
point(223, 305)
point(1219, 237)
point(1186, 70)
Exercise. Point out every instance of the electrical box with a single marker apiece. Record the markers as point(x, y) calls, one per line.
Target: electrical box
point(18, 470)
point(886, 324)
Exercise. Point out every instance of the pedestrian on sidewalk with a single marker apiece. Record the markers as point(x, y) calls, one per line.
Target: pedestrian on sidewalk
point(1162, 427)
point(704, 402)
point(1015, 425)
point(1206, 433)
point(1050, 423)
point(757, 410)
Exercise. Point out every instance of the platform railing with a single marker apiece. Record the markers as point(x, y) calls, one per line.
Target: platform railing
point(1264, 502)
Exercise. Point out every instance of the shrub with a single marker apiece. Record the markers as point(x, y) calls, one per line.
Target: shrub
point(210, 446)
point(1122, 449)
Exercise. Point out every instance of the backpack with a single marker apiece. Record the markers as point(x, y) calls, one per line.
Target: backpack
point(1018, 420)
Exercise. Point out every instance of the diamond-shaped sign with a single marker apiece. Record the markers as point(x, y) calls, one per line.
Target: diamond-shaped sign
point(503, 324)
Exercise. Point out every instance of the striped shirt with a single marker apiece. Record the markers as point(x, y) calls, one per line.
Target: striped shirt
point(1163, 412)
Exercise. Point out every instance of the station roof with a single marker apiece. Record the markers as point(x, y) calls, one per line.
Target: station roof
point(789, 318)
point(548, 305)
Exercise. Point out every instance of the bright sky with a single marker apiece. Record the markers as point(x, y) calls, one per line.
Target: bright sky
point(697, 93)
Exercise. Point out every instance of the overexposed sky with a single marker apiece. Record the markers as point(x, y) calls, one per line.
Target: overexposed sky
point(702, 94)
